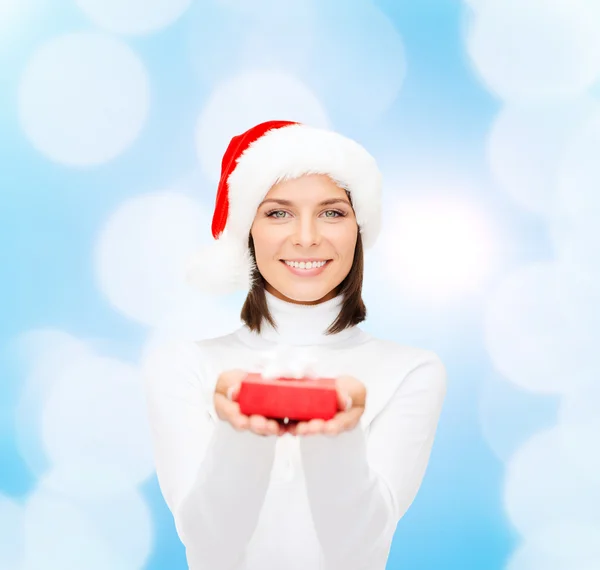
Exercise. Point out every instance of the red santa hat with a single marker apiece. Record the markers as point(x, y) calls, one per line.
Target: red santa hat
point(256, 160)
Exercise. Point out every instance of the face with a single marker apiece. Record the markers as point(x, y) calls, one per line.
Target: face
point(305, 219)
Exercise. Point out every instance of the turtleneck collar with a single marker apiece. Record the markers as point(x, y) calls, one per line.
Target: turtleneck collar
point(300, 325)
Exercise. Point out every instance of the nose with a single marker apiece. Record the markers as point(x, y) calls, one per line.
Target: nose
point(306, 232)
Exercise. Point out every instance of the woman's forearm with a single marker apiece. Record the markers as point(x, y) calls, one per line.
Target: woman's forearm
point(352, 508)
point(218, 516)
point(359, 487)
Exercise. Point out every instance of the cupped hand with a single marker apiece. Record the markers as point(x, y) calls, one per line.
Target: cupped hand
point(226, 394)
point(352, 395)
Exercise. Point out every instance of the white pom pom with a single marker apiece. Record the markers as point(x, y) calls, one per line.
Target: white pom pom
point(221, 267)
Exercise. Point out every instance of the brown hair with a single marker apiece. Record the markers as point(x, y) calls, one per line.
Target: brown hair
point(352, 311)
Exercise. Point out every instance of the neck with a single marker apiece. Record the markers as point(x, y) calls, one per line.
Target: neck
point(300, 324)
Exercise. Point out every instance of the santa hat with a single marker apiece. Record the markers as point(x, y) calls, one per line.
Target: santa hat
point(256, 160)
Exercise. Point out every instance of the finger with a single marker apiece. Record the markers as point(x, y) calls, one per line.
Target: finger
point(234, 391)
point(273, 427)
point(230, 411)
point(311, 427)
point(344, 400)
point(263, 426)
point(350, 419)
point(343, 421)
point(333, 427)
point(258, 424)
point(316, 426)
point(347, 403)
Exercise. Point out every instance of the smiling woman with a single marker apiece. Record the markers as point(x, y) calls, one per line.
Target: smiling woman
point(294, 208)
point(283, 246)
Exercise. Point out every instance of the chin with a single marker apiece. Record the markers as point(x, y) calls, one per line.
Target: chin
point(305, 294)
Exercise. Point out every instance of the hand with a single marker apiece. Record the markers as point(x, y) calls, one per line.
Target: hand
point(225, 400)
point(346, 419)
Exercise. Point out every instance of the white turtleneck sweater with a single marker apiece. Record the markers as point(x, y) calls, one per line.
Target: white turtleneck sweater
point(242, 501)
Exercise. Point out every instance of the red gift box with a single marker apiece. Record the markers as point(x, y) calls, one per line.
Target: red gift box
point(292, 398)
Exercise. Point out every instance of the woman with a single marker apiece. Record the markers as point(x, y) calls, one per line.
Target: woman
point(250, 493)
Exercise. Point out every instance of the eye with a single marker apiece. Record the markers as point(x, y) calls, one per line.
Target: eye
point(339, 214)
point(270, 214)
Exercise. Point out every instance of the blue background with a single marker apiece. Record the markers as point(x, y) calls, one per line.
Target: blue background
point(438, 124)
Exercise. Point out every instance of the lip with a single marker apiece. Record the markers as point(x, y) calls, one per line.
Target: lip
point(305, 259)
point(307, 272)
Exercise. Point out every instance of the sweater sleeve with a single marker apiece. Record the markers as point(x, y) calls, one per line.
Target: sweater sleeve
point(213, 478)
point(358, 487)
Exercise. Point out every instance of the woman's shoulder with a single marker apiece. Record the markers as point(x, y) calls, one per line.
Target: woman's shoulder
point(398, 351)
point(186, 352)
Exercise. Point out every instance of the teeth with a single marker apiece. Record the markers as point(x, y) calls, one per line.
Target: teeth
point(304, 265)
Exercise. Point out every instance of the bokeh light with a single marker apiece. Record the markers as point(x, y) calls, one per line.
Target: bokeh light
point(526, 145)
point(83, 98)
point(353, 60)
point(246, 100)
point(142, 250)
point(12, 546)
point(553, 477)
point(63, 534)
point(553, 52)
point(536, 327)
point(133, 16)
point(437, 249)
point(563, 545)
point(97, 408)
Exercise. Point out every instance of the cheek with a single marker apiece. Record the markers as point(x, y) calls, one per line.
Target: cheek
point(266, 248)
point(346, 244)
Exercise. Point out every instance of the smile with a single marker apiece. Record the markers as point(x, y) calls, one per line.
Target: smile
point(306, 269)
point(305, 265)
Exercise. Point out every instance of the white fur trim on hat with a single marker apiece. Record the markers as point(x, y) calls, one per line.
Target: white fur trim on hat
point(221, 267)
point(290, 152)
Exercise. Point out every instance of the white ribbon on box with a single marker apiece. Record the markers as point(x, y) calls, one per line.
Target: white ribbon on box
point(288, 361)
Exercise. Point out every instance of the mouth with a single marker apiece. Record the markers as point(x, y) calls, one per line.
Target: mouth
point(314, 267)
point(311, 264)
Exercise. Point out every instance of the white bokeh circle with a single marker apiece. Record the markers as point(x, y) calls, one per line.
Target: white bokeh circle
point(500, 400)
point(352, 57)
point(526, 145)
point(562, 545)
point(12, 546)
point(536, 49)
point(438, 248)
point(87, 476)
point(552, 477)
point(475, 4)
point(199, 318)
point(83, 98)
point(537, 329)
point(579, 175)
point(581, 406)
point(108, 532)
point(574, 222)
point(97, 410)
point(44, 355)
point(142, 251)
point(133, 16)
point(358, 63)
point(245, 100)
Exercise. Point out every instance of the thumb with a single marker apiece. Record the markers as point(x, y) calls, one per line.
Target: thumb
point(234, 391)
point(344, 400)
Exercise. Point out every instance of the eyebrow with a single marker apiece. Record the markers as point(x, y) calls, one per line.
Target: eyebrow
point(283, 202)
